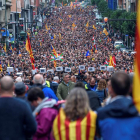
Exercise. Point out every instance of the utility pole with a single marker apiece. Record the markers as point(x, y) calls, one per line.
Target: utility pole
point(24, 17)
point(17, 23)
point(6, 24)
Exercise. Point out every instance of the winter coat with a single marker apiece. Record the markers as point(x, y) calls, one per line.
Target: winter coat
point(119, 120)
point(100, 94)
point(45, 114)
point(63, 90)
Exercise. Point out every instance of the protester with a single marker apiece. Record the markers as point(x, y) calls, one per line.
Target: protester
point(64, 87)
point(48, 92)
point(44, 113)
point(92, 85)
point(93, 97)
point(101, 90)
point(120, 116)
point(73, 118)
point(55, 84)
point(16, 119)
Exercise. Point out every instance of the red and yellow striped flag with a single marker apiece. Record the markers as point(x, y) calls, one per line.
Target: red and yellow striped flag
point(136, 88)
point(30, 52)
point(55, 63)
point(81, 129)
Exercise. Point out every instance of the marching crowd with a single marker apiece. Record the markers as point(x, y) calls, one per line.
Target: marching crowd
point(78, 105)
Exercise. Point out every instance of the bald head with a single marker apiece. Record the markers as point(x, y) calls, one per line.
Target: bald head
point(6, 84)
point(38, 79)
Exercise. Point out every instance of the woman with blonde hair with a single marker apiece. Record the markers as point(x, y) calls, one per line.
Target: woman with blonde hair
point(76, 121)
point(101, 90)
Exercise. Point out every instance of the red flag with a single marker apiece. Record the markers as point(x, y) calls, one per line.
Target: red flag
point(30, 52)
point(114, 61)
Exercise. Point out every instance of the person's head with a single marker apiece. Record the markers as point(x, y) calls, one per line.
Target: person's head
point(6, 85)
point(20, 89)
point(35, 96)
point(79, 85)
point(101, 84)
point(38, 79)
point(73, 79)
point(92, 82)
point(56, 79)
point(18, 79)
point(77, 104)
point(120, 84)
point(66, 77)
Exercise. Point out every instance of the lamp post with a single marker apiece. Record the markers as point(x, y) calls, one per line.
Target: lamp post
point(6, 24)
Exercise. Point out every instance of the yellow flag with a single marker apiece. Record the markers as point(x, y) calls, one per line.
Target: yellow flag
point(94, 27)
point(46, 27)
point(54, 36)
point(105, 31)
point(5, 47)
point(59, 36)
point(69, 16)
point(73, 25)
point(136, 85)
point(87, 24)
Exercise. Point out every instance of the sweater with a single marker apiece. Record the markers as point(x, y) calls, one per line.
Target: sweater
point(16, 119)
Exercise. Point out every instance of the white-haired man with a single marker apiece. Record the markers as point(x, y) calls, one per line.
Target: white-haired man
point(38, 81)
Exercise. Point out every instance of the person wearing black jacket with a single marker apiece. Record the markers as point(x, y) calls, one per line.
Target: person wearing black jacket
point(93, 97)
point(55, 84)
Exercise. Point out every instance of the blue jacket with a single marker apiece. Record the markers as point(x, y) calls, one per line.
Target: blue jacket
point(48, 92)
point(100, 94)
point(119, 120)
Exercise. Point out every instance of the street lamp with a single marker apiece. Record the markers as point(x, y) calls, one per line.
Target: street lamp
point(105, 19)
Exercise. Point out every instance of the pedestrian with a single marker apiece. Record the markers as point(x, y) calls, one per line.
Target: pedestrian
point(64, 87)
point(55, 84)
point(16, 119)
point(44, 113)
point(76, 118)
point(119, 119)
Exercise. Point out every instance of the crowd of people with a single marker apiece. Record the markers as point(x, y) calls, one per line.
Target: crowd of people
point(70, 31)
point(78, 105)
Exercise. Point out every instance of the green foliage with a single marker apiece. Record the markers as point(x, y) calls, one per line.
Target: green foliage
point(126, 27)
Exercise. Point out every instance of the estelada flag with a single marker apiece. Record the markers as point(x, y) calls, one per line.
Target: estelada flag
point(0, 66)
point(136, 86)
point(65, 129)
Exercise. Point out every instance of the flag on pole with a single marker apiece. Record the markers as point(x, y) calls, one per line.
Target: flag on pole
point(87, 24)
point(0, 66)
point(59, 36)
point(19, 54)
point(106, 62)
point(88, 54)
point(114, 61)
point(54, 51)
point(30, 52)
point(55, 63)
point(59, 57)
point(105, 31)
point(27, 45)
point(110, 61)
point(136, 86)
point(5, 47)
point(94, 27)
point(93, 39)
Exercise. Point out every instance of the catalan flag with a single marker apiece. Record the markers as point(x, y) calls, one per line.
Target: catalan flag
point(94, 27)
point(110, 61)
point(105, 31)
point(136, 87)
point(0, 66)
point(8, 64)
point(54, 51)
point(54, 63)
point(46, 27)
point(80, 129)
point(30, 52)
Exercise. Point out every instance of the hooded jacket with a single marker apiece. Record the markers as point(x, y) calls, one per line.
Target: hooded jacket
point(45, 113)
point(63, 90)
point(119, 120)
